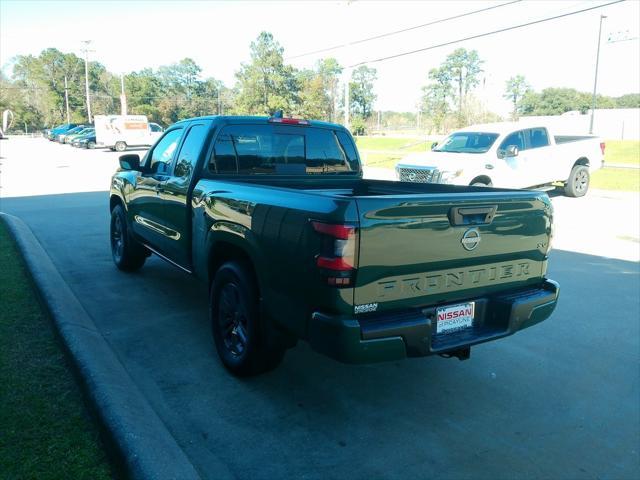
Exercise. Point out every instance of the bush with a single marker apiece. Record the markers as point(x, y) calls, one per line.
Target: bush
point(358, 127)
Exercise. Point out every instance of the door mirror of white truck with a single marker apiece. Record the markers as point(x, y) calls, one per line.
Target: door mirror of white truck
point(510, 151)
point(434, 145)
point(130, 161)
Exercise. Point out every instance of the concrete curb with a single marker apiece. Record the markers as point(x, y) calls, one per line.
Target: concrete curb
point(140, 439)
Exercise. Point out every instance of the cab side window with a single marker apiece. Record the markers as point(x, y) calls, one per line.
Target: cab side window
point(164, 151)
point(538, 137)
point(516, 138)
point(190, 151)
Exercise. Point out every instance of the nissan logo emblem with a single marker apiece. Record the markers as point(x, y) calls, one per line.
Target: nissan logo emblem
point(471, 239)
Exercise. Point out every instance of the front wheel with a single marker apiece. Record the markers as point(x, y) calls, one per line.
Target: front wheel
point(238, 332)
point(120, 146)
point(128, 255)
point(578, 182)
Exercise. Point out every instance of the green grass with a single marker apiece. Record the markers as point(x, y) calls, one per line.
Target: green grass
point(622, 151)
point(624, 179)
point(408, 144)
point(45, 430)
point(384, 152)
point(380, 160)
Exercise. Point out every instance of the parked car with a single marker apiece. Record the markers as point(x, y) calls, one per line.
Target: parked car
point(274, 216)
point(88, 141)
point(52, 134)
point(61, 136)
point(508, 155)
point(69, 138)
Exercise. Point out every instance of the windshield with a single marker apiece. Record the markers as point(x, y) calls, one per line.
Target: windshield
point(467, 142)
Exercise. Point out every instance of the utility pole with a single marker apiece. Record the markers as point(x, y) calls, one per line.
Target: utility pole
point(86, 76)
point(346, 97)
point(123, 97)
point(595, 81)
point(66, 98)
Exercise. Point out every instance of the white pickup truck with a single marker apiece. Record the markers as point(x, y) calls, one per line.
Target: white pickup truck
point(508, 155)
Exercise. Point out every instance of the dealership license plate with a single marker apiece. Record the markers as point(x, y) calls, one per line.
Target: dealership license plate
point(455, 317)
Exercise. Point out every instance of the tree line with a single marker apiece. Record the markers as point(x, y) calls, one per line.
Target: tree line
point(35, 92)
point(449, 100)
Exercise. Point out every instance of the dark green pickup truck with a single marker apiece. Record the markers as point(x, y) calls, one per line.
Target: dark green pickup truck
point(273, 213)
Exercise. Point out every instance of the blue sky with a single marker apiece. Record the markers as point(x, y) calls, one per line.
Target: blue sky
point(131, 35)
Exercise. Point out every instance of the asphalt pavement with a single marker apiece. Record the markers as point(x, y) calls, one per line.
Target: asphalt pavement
point(559, 400)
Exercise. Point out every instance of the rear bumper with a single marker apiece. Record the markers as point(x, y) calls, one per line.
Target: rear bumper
point(393, 336)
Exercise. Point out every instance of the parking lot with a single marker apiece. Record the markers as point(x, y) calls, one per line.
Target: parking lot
point(556, 401)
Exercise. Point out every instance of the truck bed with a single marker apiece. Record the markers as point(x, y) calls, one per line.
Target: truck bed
point(359, 187)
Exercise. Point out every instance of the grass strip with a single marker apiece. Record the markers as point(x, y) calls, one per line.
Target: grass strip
point(46, 431)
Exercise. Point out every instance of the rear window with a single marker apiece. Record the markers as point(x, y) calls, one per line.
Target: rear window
point(282, 150)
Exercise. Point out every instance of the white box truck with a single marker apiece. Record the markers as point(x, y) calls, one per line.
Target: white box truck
point(118, 132)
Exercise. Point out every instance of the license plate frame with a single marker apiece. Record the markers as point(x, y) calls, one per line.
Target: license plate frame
point(455, 318)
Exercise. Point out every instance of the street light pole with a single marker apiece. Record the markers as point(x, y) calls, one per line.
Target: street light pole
point(595, 81)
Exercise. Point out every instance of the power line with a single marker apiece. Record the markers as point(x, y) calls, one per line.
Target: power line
point(486, 34)
point(395, 32)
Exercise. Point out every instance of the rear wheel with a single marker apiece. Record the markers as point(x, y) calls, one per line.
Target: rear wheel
point(120, 146)
point(128, 255)
point(578, 182)
point(238, 332)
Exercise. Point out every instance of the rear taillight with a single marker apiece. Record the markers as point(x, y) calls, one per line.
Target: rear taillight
point(602, 147)
point(337, 260)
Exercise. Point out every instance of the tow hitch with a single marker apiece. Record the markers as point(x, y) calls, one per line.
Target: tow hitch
point(460, 354)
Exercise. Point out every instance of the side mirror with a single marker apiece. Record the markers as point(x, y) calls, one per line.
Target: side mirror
point(183, 169)
point(434, 145)
point(511, 151)
point(130, 161)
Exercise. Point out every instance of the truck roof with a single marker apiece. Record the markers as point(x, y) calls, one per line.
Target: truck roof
point(501, 127)
point(254, 118)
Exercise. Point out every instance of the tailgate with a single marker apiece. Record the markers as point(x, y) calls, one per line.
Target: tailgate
point(418, 250)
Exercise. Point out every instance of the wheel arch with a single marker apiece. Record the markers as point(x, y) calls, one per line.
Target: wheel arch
point(581, 161)
point(226, 250)
point(481, 179)
point(114, 200)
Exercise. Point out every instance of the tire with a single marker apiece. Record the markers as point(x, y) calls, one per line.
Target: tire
point(578, 182)
point(128, 254)
point(238, 332)
point(481, 184)
point(91, 145)
point(120, 146)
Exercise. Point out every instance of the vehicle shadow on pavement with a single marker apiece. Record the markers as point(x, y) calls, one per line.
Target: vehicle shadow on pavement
point(556, 400)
